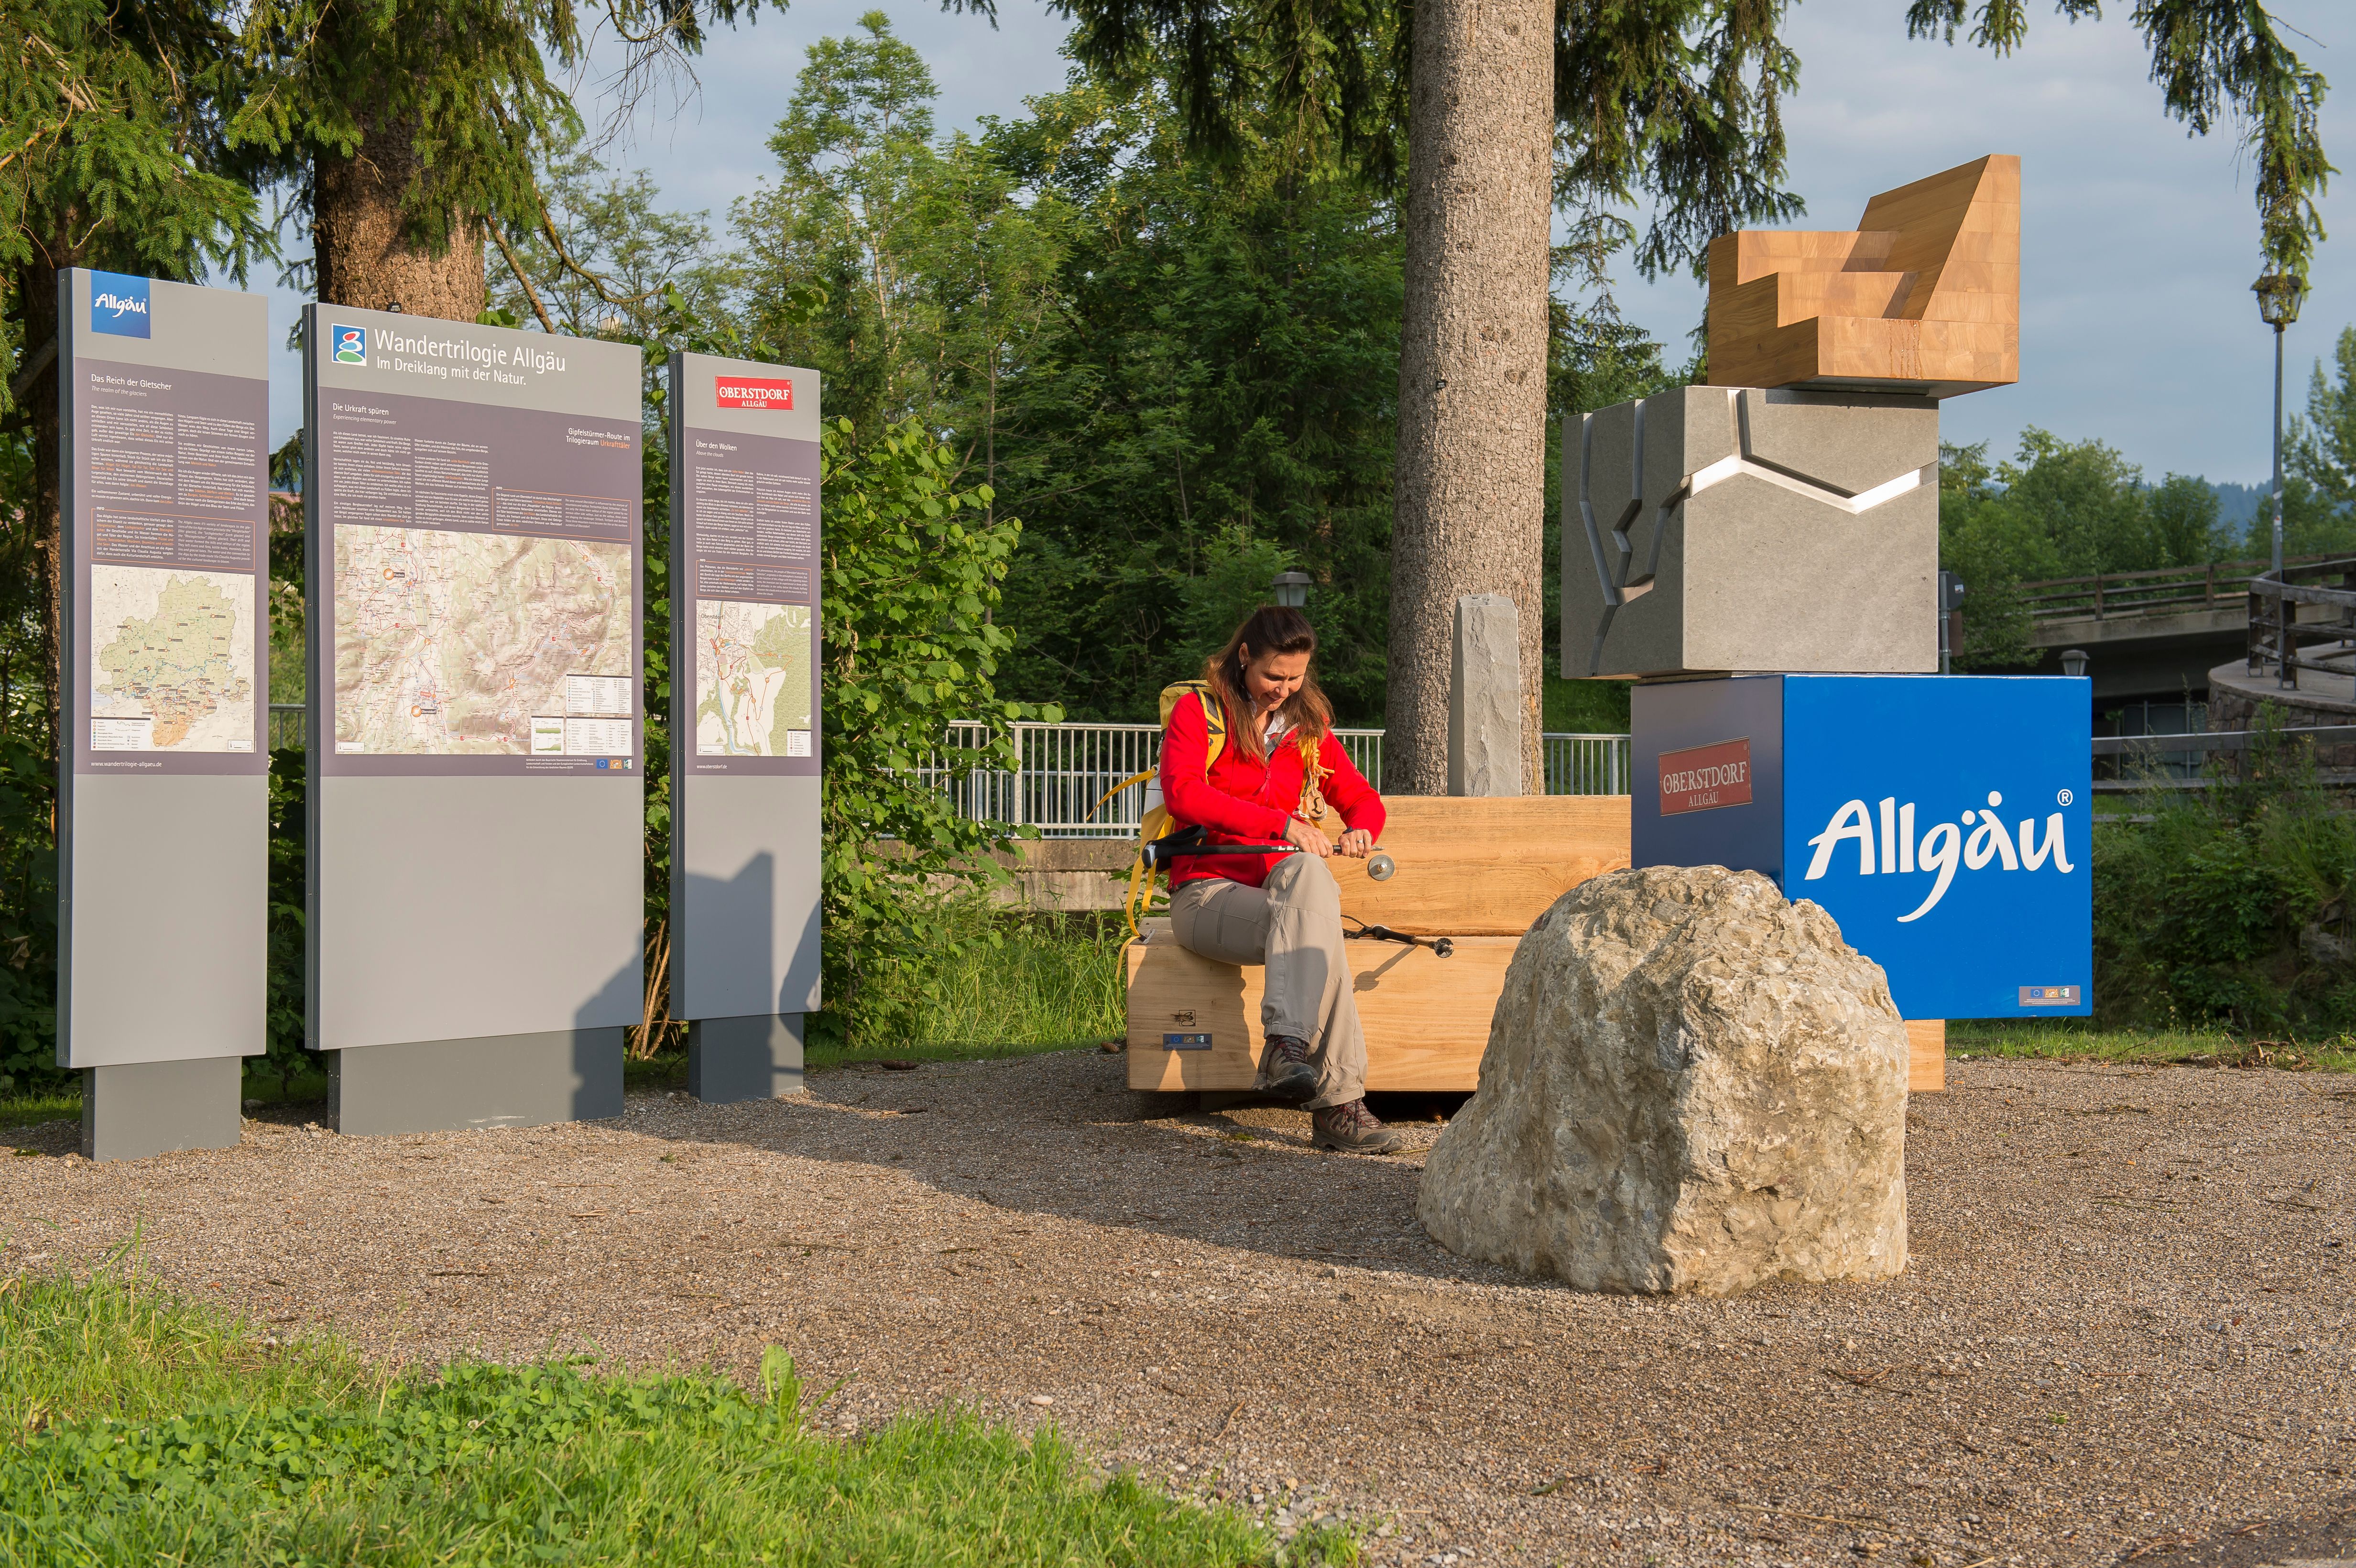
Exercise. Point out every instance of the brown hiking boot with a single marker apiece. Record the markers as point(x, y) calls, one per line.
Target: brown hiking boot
point(1285, 1069)
point(1352, 1129)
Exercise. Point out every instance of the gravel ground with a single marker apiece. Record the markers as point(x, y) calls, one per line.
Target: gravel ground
point(2125, 1335)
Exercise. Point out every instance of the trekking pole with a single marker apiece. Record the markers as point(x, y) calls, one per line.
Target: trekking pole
point(1188, 843)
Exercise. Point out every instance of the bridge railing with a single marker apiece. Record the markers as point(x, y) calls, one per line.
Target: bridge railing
point(2326, 642)
point(2165, 589)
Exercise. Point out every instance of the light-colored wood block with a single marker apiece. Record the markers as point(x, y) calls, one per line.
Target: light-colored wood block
point(1426, 1018)
point(1926, 1056)
point(1784, 306)
point(1482, 867)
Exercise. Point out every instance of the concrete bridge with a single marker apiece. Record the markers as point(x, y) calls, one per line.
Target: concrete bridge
point(2149, 635)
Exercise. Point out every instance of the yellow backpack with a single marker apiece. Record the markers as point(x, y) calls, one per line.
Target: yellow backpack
point(1156, 823)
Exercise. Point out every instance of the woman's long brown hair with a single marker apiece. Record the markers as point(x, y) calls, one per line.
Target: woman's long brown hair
point(1271, 629)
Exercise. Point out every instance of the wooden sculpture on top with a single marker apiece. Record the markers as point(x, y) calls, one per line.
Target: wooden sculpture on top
point(1923, 297)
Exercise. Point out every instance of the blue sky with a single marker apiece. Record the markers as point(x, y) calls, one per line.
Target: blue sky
point(2138, 244)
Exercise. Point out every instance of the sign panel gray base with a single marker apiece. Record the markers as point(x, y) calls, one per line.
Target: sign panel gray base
point(758, 1058)
point(460, 1085)
point(140, 1108)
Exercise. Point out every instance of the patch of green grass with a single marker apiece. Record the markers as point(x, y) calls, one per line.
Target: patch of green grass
point(1008, 983)
point(112, 1344)
point(2085, 1039)
point(62, 1105)
point(255, 1456)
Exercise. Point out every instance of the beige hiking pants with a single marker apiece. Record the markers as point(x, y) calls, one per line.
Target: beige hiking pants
point(1293, 925)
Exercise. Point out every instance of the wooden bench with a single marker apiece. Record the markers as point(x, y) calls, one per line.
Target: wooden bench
point(1476, 870)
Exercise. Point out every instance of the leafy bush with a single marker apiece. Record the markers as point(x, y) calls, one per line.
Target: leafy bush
point(28, 920)
point(2231, 904)
point(912, 567)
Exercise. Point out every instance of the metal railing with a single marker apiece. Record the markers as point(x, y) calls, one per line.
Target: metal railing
point(2166, 589)
point(2278, 637)
point(1066, 769)
point(1063, 771)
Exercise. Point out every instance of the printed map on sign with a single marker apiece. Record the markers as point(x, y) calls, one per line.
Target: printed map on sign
point(752, 679)
point(455, 643)
point(172, 659)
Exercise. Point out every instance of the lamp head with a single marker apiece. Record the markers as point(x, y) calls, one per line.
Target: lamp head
point(1291, 588)
point(2279, 297)
point(2074, 662)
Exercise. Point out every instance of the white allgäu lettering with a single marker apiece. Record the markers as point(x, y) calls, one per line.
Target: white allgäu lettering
point(1850, 821)
point(1946, 847)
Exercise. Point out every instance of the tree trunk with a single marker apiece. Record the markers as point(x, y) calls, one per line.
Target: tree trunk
point(363, 259)
point(1469, 486)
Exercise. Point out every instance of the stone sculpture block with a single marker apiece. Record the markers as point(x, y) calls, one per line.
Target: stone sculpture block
point(1709, 529)
point(1484, 697)
point(1691, 1086)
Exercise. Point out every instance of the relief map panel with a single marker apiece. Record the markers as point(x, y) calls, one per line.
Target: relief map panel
point(170, 497)
point(483, 604)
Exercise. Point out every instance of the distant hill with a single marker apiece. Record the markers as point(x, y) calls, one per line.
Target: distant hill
point(2237, 503)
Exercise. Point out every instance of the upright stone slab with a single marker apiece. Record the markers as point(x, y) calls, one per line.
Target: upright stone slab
point(1690, 1085)
point(1484, 697)
point(162, 776)
point(745, 524)
point(1718, 529)
point(477, 810)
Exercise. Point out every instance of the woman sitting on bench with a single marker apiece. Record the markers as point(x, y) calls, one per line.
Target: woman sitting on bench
point(1278, 768)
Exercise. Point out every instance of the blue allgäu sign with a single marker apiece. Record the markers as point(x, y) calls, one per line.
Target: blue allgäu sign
point(1945, 822)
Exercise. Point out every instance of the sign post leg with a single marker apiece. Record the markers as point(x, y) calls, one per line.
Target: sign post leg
point(758, 1058)
point(154, 1108)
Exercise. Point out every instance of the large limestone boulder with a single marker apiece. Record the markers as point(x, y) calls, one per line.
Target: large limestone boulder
point(1691, 1084)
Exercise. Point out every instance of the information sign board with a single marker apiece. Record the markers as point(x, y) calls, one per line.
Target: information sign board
point(164, 405)
point(475, 597)
point(744, 711)
point(1945, 821)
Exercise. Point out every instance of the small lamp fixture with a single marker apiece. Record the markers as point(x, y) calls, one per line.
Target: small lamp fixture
point(2279, 297)
point(1291, 588)
point(2073, 662)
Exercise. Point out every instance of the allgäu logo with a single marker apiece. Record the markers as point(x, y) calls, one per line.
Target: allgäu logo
point(118, 304)
point(348, 344)
point(1939, 849)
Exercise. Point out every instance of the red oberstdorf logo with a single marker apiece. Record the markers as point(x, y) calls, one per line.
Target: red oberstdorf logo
point(1706, 777)
point(752, 392)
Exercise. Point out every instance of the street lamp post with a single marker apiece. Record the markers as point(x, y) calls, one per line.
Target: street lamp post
point(2279, 297)
point(1291, 588)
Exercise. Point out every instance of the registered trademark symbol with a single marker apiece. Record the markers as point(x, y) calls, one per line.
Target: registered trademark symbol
point(2064, 797)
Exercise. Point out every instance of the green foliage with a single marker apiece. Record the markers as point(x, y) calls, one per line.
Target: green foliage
point(111, 118)
point(2231, 905)
point(2207, 58)
point(284, 1018)
point(1215, 394)
point(911, 574)
point(28, 919)
point(2060, 510)
point(114, 1344)
point(1014, 981)
point(172, 1436)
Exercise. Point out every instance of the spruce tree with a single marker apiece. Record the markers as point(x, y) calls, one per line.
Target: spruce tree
point(1677, 101)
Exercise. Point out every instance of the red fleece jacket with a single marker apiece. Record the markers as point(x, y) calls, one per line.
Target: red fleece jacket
point(1243, 802)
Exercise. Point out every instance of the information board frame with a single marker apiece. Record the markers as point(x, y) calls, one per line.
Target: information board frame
point(163, 768)
point(746, 523)
point(476, 925)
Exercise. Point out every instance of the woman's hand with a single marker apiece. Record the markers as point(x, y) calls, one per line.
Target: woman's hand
point(1305, 835)
point(1357, 843)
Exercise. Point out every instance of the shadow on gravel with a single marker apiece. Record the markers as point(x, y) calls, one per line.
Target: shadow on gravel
point(2325, 1537)
point(1061, 1135)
